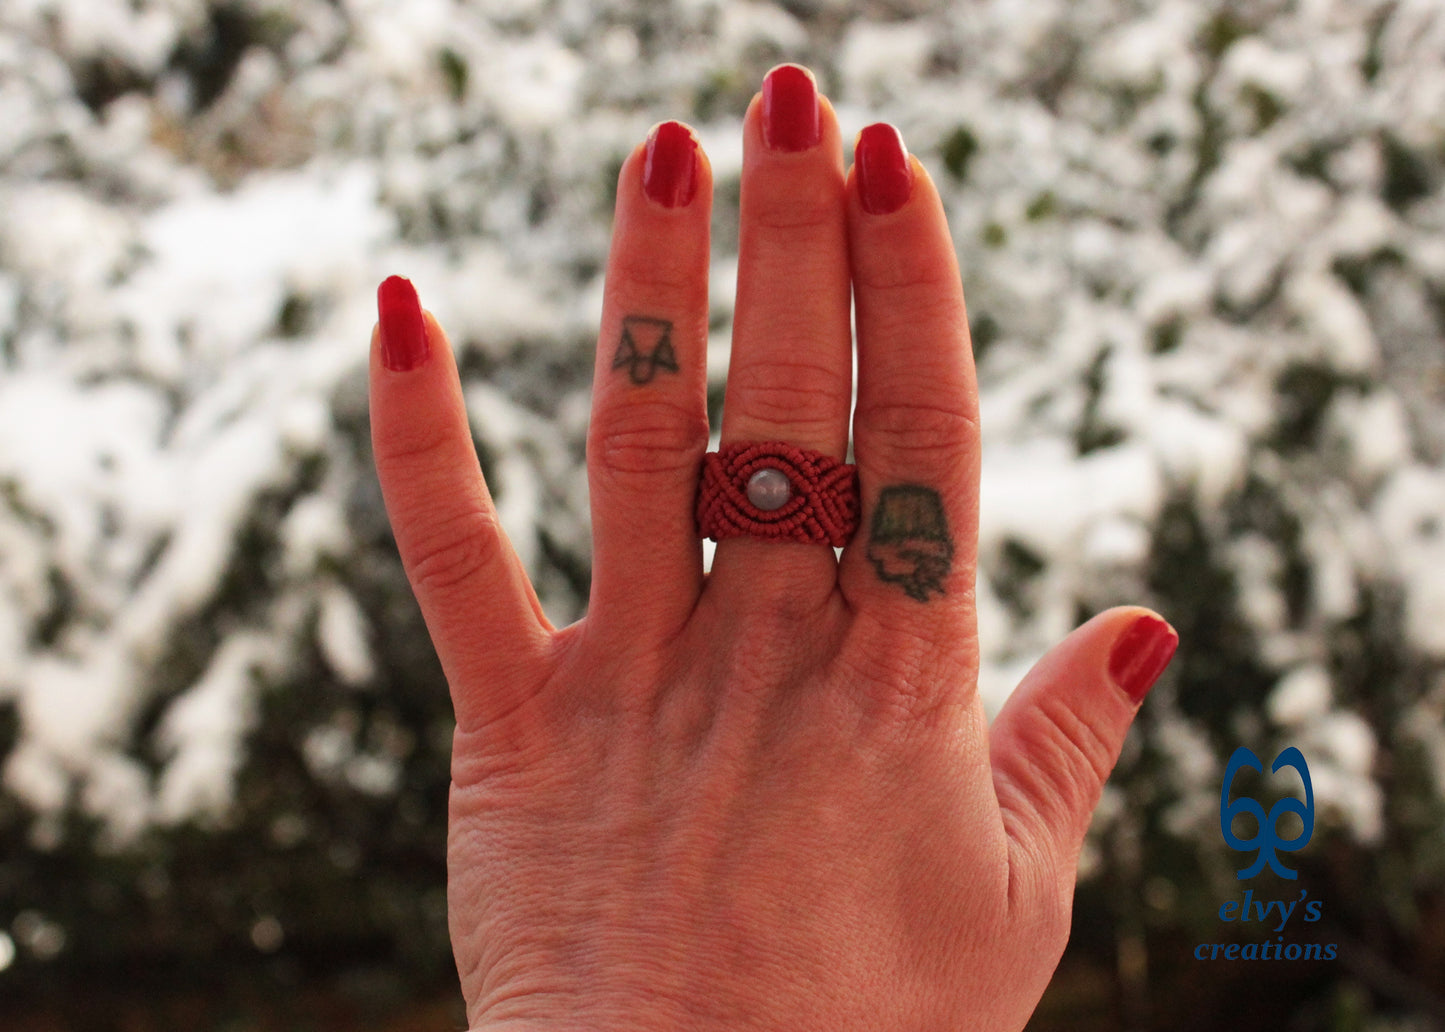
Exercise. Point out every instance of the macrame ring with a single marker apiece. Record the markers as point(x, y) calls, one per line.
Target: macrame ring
point(822, 502)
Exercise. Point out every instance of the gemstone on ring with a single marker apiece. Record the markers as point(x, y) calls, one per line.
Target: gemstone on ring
point(776, 491)
point(769, 489)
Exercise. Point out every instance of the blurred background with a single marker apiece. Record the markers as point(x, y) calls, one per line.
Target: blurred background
point(1203, 245)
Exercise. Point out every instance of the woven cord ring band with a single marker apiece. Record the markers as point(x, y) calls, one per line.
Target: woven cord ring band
point(777, 492)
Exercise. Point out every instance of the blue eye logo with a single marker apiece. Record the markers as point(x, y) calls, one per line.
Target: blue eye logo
point(1266, 839)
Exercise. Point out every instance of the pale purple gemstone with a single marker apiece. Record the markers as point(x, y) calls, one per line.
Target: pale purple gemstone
point(768, 489)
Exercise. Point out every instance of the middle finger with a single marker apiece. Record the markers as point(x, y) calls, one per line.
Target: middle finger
point(790, 374)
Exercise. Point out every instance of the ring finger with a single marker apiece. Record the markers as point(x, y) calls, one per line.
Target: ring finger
point(916, 439)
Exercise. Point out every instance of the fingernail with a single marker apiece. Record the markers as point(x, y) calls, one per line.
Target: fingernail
point(403, 333)
point(1141, 654)
point(885, 175)
point(790, 109)
point(669, 173)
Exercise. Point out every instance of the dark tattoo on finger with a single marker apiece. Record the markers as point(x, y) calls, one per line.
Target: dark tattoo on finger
point(646, 347)
point(908, 540)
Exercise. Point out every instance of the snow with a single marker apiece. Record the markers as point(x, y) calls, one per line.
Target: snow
point(185, 296)
point(140, 36)
point(742, 25)
point(1042, 494)
point(224, 262)
point(1425, 723)
point(1375, 433)
point(877, 62)
point(342, 636)
point(1332, 315)
point(1411, 517)
point(536, 83)
point(1301, 695)
point(1341, 751)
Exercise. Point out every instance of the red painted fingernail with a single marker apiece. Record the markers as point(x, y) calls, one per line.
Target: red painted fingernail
point(1140, 655)
point(403, 332)
point(669, 173)
point(790, 109)
point(885, 175)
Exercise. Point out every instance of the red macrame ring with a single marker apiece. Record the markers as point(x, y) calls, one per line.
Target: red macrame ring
point(822, 509)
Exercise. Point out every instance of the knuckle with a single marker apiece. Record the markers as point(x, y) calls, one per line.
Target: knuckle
point(782, 609)
point(1040, 883)
point(913, 273)
point(454, 552)
point(803, 396)
point(1075, 758)
point(416, 446)
point(911, 680)
point(641, 267)
point(649, 437)
point(1043, 895)
point(793, 211)
point(919, 426)
point(893, 650)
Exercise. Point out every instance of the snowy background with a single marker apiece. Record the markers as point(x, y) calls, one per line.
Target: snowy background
point(1203, 247)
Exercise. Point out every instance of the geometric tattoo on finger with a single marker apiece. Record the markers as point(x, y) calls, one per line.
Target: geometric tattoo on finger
point(645, 348)
point(908, 540)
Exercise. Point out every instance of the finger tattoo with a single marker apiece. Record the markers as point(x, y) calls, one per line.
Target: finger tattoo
point(908, 540)
point(646, 347)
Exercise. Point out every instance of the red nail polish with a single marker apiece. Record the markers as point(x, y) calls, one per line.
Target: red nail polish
point(790, 109)
point(885, 175)
point(669, 173)
point(403, 332)
point(1140, 655)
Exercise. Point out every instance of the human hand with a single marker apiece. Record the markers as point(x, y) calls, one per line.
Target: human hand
point(765, 797)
